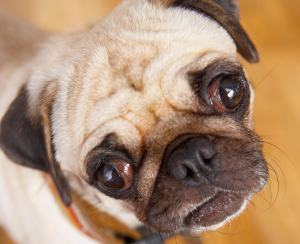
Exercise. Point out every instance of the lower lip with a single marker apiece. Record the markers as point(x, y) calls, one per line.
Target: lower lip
point(216, 210)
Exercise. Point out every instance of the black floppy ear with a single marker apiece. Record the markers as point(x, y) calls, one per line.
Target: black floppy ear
point(219, 11)
point(231, 6)
point(26, 140)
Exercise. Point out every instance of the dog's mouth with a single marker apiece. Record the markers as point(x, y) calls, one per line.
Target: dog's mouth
point(218, 209)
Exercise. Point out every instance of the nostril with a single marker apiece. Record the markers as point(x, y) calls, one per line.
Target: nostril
point(207, 162)
point(193, 161)
point(181, 167)
point(211, 165)
point(179, 172)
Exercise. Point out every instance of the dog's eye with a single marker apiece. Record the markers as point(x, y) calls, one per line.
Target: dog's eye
point(115, 174)
point(226, 92)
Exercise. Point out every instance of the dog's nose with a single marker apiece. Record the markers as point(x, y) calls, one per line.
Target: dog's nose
point(193, 162)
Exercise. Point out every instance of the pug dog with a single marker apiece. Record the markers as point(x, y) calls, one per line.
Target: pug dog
point(144, 117)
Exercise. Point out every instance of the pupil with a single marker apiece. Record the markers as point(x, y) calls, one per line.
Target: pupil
point(109, 177)
point(231, 91)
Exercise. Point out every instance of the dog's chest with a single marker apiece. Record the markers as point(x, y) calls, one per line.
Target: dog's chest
point(29, 209)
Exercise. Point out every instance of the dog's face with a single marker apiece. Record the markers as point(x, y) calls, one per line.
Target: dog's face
point(148, 112)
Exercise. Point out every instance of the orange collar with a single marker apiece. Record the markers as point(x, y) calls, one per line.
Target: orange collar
point(105, 234)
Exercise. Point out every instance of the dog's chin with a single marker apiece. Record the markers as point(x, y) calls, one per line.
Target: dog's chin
point(211, 214)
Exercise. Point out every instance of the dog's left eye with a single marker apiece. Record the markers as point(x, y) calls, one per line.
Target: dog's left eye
point(115, 174)
point(226, 92)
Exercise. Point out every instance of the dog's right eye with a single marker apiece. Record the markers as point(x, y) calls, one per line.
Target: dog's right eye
point(226, 92)
point(115, 174)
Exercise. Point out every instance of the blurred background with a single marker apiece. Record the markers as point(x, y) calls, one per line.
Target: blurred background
point(273, 217)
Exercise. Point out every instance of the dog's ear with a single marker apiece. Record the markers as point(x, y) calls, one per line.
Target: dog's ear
point(226, 13)
point(26, 139)
point(231, 6)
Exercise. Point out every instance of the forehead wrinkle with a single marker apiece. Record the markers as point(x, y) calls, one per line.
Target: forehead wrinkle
point(118, 126)
point(97, 128)
point(140, 121)
point(144, 115)
point(141, 135)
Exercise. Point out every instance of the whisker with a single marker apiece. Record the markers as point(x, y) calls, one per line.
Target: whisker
point(253, 205)
point(289, 159)
point(264, 78)
point(277, 180)
point(262, 194)
point(275, 160)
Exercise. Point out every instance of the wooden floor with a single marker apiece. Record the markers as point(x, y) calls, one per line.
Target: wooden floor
point(274, 25)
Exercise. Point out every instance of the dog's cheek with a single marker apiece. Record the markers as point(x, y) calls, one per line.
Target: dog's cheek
point(242, 165)
point(145, 184)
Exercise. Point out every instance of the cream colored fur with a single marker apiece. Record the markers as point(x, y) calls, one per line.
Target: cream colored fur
point(120, 76)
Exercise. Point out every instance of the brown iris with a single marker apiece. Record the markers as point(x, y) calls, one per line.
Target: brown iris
point(226, 92)
point(115, 174)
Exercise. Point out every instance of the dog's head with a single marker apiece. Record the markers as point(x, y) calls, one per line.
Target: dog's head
point(149, 112)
